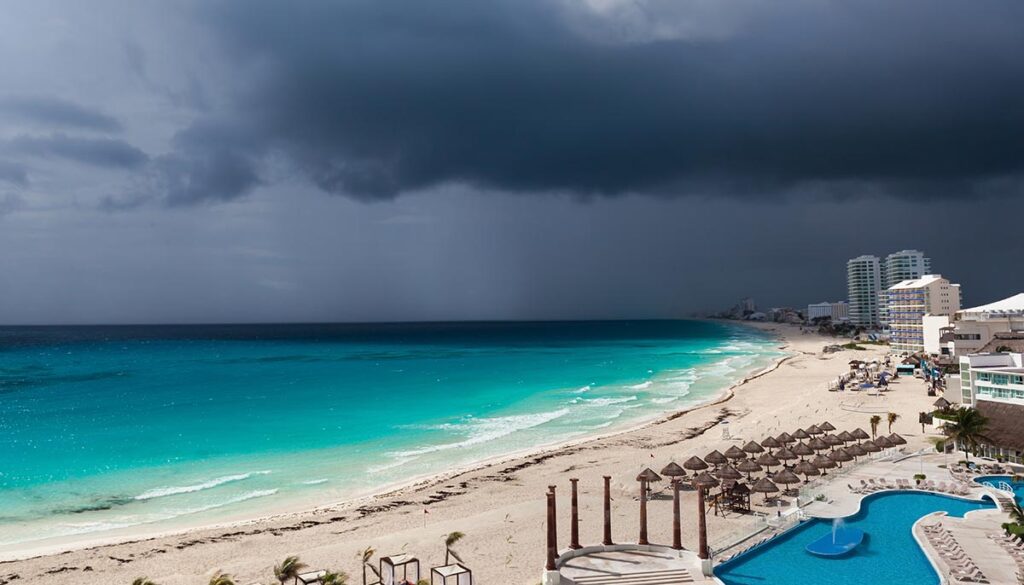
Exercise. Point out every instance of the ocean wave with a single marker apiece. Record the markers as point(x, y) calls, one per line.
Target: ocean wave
point(582, 390)
point(609, 401)
point(315, 481)
point(484, 430)
point(187, 489)
point(641, 385)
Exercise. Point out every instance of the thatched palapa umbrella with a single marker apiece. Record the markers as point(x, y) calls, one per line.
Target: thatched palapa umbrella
point(752, 448)
point(704, 481)
point(673, 471)
point(786, 477)
point(870, 447)
point(768, 460)
point(749, 466)
point(827, 427)
point(695, 464)
point(817, 444)
point(764, 486)
point(846, 437)
point(801, 434)
point(822, 462)
point(839, 456)
point(784, 454)
point(735, 453)
point(896, 439)
point(785, 438)
point(771, 443)
point(814, 430)
point(832, 440)
point(645, 478)
point(715, 458)
point(856, 450)
point(678, 474)
point(803, 450)
point(728, 472)
point(807, 468)
point(859, 434)
point(884, 442)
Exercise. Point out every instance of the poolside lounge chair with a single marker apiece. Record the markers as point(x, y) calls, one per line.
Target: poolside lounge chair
point(310, 577)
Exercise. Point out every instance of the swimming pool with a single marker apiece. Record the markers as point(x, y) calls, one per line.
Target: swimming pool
point(888, 555)
point(1018, 487)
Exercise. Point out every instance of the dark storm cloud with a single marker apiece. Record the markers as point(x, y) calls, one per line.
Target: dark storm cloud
point(100, 152)
point(371, 98)
point(58, 112)
point(13, 173)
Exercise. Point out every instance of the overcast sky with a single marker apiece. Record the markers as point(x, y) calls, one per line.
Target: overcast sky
point(367, 160)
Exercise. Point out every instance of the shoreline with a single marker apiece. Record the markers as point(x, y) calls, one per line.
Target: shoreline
point(498, 503)
point(383, 492)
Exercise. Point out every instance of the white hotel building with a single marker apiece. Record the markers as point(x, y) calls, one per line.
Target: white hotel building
point(909, 302)
point(993, 383)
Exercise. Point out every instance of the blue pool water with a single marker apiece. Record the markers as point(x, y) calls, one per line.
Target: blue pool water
point(114, 431)
point(1018, 487)
point(889, 554)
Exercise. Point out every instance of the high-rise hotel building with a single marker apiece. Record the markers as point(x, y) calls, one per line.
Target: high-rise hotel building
point(863, 284)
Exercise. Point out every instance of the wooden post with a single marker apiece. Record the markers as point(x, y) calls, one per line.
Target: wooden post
point(552, 535)
point(643, 512)
point(677, 537)
point(574, 529)
point(702, 526)
point(607, 541)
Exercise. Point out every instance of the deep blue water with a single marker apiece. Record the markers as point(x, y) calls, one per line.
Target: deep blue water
point(889, 554)
point(106, 429)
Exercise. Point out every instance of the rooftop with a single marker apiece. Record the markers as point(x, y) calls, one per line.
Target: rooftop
point(1009, 306)
point(917, 282)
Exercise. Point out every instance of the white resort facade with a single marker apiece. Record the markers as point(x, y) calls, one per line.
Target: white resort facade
point(863, 284)
point(993, 383)
point(896, 268)
point(908, 304)
point(971, 330)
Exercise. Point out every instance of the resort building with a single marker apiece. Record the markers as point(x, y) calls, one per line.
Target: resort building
point(838, 311)
point(971, 330)
point(897, 267)
point(993, 383)
point(863, 284)
point(908, 303)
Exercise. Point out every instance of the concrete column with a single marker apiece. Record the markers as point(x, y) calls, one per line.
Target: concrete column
point(607, 541)
point(677, 537)
point(574, 534)
point(552, 535)
point(643, 513)
point(702, 526)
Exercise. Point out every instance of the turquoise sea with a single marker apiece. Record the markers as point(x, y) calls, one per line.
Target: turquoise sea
point(107, 432)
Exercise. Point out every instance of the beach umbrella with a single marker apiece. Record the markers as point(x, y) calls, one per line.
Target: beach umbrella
point(704, 481)
point(896, 439)
point(817, 444)
point(786, 477)
point(715, 458)
point(728, 472)
point(884, 442)
point(846, 437)
point(673, 470)
point(771, 443)
point(648, 475)
point(801, 434)
point(870, 447)
point(856, 450)
point(785, 438)
point(764, 486)
point(831, 440)
point(735, 452)
point(859, 434)
point(839, 456)
point(695, 464)
point(768, 460)
point(753, 448)
point(822, 462)
point(827, 427)
point(784, 454)
point(814, 430)
point(803, 450)
point(749, 466)
point(807, 468)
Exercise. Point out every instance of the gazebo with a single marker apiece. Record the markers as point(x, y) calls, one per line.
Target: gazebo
point(454, 574)
point(395, 568)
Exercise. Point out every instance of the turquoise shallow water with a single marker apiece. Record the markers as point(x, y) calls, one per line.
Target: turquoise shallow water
point(106, 430)
point(889, 555)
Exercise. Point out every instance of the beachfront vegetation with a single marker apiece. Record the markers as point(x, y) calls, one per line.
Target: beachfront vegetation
point(367, 557)
point(289, 568)
point(332, 578)
point(875, 421)
point(143, 581)
point(221, 579)
point(891, 418)
point(1015, 527)
point(967, 429)
point(449, 540)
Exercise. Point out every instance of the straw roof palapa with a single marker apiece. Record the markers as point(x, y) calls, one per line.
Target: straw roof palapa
point(673, 470)
point(784, 454)
point(648, 475)
point(807, 468)
point(870, 447)
point(814, 430)
point(728, 472)
point(764, 486)
point(695, 464)
point(715, 458)
point(735, 452)
point(771, 443)
point(767, 459)
point(786, 477)
point(846, 437)
point(941, 403)
point(802, 449)
point(752, 447)
point(822, 462)
point(896, 439)
point(859, 434)
point(705, 480)
point(749, 466)
point(840, 455)
point(883, 442)
point(831, 440)
point(785, 438)
point(826, 426)
point(817, 444)
point(856, 450)
point(801, 434)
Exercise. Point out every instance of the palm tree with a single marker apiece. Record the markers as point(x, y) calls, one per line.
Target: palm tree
point(875, 421)
point(1017, 514)
point(331, 578)
point(366, 556)
point(220, 578)
point(289, 568)
point(143, 581)
point(450, 539)
point(967, 428)
point(893, 417)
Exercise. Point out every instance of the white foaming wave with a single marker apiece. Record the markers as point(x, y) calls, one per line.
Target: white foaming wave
point(235, 500)
point(582, 390)
point(485, 430)
point(641, 385)
point(609, 401)
point(396, 462)
point(315, 482)
point(187, 489)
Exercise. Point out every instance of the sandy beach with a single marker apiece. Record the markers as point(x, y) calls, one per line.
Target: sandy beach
point(500, 505)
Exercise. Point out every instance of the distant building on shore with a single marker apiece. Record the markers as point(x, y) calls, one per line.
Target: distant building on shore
point(863, 284)
point(993, 383)
point(908, 304)
point(894, 269)
point(838, 311)
point(972, 330)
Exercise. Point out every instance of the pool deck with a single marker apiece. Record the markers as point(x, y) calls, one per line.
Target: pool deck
point(971, 533)
point(631, 564)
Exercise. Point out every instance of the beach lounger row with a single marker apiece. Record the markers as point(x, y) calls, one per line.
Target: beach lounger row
point(961, 567)
point(1012, 545)
point(878, 484)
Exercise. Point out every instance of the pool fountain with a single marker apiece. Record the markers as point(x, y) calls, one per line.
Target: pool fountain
point(841, 540)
